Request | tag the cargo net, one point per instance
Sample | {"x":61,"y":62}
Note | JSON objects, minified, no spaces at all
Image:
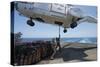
{"x":32,"y":53}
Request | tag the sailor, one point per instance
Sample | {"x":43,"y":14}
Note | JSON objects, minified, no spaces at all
{"x":58,"y":43}
{"x":55,"y":46}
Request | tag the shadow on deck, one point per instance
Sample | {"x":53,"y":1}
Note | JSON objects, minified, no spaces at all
{"x":71,"y":53}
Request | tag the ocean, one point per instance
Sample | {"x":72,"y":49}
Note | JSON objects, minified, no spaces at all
{"x":92,"y":40}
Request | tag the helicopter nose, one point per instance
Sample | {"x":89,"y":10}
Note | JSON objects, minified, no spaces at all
{"x":16,"y":6}
{"x":19,"y":6}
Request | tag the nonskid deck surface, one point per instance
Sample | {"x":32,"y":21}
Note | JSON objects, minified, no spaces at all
{"x":74,"y":52}
{"x":40,"y":52}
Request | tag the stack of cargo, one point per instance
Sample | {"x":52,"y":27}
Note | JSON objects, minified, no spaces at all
{"x":31,"y":53}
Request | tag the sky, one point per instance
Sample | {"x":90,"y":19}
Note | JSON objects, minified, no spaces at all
{"x":41,"y":30}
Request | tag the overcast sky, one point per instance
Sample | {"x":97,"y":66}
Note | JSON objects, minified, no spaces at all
{"x":41,"y":30}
